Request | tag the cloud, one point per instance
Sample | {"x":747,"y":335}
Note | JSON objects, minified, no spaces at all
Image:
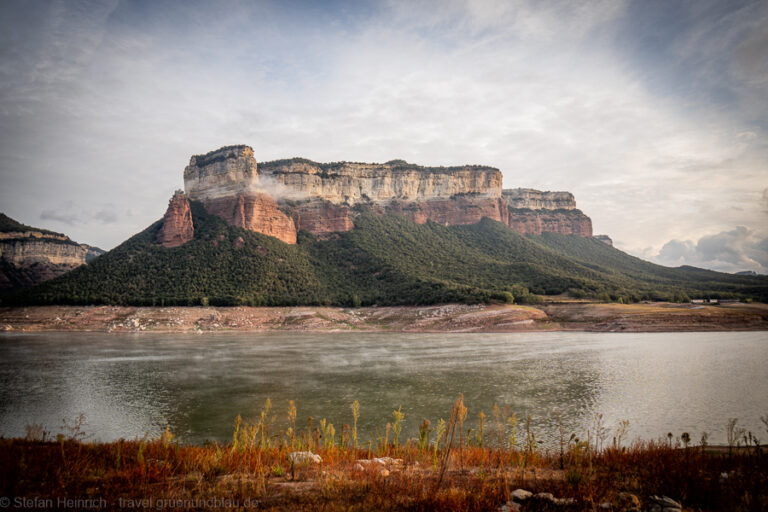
{"x":729,"y":251}
{"x":75,"y":216}
{"x":108,"y":100}
{"x":65,"y":216}
{"x":105,"y":216}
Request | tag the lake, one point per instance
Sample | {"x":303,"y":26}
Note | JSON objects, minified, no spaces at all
{"x":128,"y":385}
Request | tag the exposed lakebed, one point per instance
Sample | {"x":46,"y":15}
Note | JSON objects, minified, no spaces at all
{"x":128,"y":385}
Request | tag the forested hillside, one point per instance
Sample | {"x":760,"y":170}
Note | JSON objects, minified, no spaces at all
{"x":385,"y":260}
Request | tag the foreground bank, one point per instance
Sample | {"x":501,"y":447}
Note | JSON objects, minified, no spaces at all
{"x":585,"y":316}
{"x":301,"y":472}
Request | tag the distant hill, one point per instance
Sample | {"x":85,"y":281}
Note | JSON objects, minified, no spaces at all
{"x":8,"y":225}
{"x":30,"y":255}
{"x":385,"y":260}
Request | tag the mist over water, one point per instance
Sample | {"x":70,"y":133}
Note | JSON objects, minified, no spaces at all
{"x":128,"y":385}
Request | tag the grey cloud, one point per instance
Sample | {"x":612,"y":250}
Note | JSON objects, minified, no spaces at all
{"x":65,"y":216}
{"x":105,"y":216}
{"x":728,"y":251}
{"x":750,"y":55}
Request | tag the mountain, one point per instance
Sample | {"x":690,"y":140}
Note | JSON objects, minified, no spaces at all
{"x":385,"y":259}
{"x":298,"y":232}
{"x":30,"y":255}
{"x":282,"y":197}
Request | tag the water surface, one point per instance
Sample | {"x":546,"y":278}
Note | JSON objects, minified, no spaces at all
{"x":128,"y":385}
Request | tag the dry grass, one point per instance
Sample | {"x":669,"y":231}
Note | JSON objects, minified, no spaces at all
{"x":457,"y":470}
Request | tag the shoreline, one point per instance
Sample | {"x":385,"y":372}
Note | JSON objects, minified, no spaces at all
{"x":445,"y":318}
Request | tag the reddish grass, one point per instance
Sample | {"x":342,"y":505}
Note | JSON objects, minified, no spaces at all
{"x":261,"y":476}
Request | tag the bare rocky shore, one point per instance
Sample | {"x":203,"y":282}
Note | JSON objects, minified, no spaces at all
{"x":579,"y":316}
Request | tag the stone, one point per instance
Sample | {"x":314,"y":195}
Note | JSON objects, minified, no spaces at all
{"x":304,"y":458}
{"x":663,"y":504}
{"x":521,"y":495}
{"x":177,"y":226}
{"x":545,"y":496}
{"x":511,"y":506}
{"x":382,"y":461}
{"x":627,"y":502}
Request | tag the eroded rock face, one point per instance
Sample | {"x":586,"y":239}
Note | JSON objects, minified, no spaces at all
{"x":30,"y":257}
{"x":257,"y":212}
{"x":319,"y":197}
{"x":28,"y":250}
{"x":177,"y":226}
{"x":538,"y":200}
{"x":226,"y":172}
{"x":352,"y":183}
{"x":451,"y":212}
{"x":536,"y":222}
{"x":321,"y":217}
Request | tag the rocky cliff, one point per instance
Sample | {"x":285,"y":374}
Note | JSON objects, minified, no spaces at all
{"x":536,"y":222}
{"x":351,"y":183}
{"x":535,"y":211}
{"x":537,"y":200}
{"x":29,"y":255}
{"x":282,"y":197}
{"x":177,"y":228}
{"x":255,"y":212}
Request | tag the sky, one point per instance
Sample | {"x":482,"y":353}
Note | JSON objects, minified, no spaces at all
{"x":654,"y":113}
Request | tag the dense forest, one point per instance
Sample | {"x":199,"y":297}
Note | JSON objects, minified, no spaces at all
{"x":385,"y":260}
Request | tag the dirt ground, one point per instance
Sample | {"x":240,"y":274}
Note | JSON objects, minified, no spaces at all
{"x":582,"y":316}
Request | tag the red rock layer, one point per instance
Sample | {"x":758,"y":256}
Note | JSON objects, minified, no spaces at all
{"x":257,"y":213}
{"x":177,"y":226}
{"x":535,"y":222}
{"x":450,"y":212}
{"x":322,"y":218}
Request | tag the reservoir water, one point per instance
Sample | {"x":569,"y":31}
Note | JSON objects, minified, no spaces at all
{"x":130,"y":385}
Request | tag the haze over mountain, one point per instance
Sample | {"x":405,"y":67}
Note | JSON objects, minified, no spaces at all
{"x":651,"y":113}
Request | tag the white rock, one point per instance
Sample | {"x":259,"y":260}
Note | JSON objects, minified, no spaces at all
{"x":548,"y":496}
{"x":511,"y":506}
{"x":304,"y":458}
{"x":666,"y":502}
{"x":521,"y":494}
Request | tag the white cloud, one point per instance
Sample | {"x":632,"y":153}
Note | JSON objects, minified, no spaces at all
{"x":729,"y":251}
